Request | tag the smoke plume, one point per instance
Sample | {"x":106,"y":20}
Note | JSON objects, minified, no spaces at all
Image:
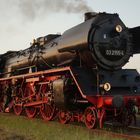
{"x":34,"y":8}
{"x":17,"y":19}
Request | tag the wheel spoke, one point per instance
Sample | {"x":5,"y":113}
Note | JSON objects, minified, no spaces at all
{"x":64,"y":117}
{"x":31,"y":112}
{"x":17,"y":109}
{"x":90,"y":118}
{"x":47,"y":111}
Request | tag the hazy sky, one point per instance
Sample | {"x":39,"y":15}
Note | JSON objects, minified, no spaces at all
{"x":23,"y":20}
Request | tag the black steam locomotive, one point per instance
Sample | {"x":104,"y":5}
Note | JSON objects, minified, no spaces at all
{"x":77,"y":74}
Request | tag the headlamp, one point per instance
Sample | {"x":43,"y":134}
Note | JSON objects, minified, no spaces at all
{"x":118,"y":28}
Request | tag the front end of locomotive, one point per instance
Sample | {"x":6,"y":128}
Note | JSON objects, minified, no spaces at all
{"x":79,"y":74}
{"x":111,"y":47}
{"x":110,"y":41}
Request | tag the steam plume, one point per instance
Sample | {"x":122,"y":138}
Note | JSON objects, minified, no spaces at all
{"x":34,"y":8}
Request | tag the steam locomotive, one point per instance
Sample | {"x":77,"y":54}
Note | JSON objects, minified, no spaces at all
{"x":76,"y":76}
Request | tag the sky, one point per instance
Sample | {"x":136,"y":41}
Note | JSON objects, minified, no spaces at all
{"x":23,"y":20}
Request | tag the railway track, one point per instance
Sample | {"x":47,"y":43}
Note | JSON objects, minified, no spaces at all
{"x":130,"y":133}
{"x":134,"y":128}
{"x":118,"y":135}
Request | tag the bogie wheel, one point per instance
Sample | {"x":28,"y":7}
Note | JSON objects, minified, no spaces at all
{"x":64,"y":117}
{"x":90,"y":118}
{"x":47,"y":112}
{"x":17,"y":109}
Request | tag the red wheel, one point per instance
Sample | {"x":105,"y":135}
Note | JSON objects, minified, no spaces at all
{"x":64,"y":117}
{"x":31,"y":110}
{"x":17,"y":109}
{"x":90,"y":118}
{"x":47,"y":112}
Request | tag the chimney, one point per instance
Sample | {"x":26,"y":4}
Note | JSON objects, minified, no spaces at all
{"x":89,"y":15}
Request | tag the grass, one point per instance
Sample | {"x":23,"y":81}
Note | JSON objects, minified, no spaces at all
{"x":21,"y":128}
